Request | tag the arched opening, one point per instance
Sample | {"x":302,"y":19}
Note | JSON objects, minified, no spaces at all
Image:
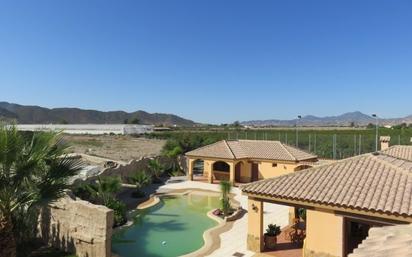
{"x":302,"y":167}
{"x":221,"y":166}
{"x":198,"y":167}
{"x":221,"y":170}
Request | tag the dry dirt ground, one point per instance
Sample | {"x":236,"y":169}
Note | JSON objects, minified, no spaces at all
{"x":115,"y":147}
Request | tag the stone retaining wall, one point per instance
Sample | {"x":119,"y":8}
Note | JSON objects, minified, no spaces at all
{"x":124,"y":171}
{"x":183,"y":163}
{"x":77,"y":226}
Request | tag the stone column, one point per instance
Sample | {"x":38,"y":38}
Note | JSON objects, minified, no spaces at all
{"x":255,"y":240}
{"x":210,"y":174}
{"x":291,"y":215}
{"x":232,"y":173}
{"x":190,"y":169}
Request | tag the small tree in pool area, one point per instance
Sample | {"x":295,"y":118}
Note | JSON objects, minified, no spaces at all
{"x":141,"y":179}
{"x":225,"y":188}
{"x":156,"y":169}
{"x":173,"y":154}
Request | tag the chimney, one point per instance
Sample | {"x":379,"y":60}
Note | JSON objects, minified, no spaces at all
{"x":385,"y":140}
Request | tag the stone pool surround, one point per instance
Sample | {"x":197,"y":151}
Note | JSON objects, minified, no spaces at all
{"x":77,"y":226}
{"x":211,"y":236}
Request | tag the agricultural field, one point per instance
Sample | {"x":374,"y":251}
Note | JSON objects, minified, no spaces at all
{"x":329,"y":143}
{"x":115,"y":147}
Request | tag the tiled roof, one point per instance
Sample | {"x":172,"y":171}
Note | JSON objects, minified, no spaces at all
{"x":254,"y":149}
{"x":388,"y":241}
{"x":217,"y":150}
{"x":377,"y":182}
{"x":399,"y":151}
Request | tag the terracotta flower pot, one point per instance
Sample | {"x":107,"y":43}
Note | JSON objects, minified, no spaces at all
{"x":270,"y":241}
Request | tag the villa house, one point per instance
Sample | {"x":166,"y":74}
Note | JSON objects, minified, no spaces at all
{"x":343,"y":201}
{"x":247,"y":160}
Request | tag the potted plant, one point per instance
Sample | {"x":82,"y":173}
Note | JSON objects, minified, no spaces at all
{"x":271,"y":236}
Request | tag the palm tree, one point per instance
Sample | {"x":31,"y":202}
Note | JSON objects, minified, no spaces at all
{"x":225,"y":188}
{"x":173,"y":154}
{"x":33,"y":173}
{"x":156,"y":169}
{"x":141,"y":179}
{"x":104,"y":190}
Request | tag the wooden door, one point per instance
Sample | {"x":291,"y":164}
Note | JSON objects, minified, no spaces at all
{"x":238,"y":168}
{"x":255,"y":171}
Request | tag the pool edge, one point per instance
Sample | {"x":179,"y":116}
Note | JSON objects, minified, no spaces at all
{"x":211,"y":236}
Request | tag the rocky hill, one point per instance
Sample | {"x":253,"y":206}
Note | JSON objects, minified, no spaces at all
{"x":24,"y":114}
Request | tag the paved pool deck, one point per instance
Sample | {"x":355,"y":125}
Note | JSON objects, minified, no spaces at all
{"x":233,"y":242}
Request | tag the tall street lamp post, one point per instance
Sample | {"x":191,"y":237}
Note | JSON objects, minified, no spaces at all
{"x":376,"y":132}
{"x":297,"y":130}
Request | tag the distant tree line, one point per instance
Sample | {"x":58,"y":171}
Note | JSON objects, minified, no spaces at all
{"x":132,"y":121}
{"x":336,"y":144}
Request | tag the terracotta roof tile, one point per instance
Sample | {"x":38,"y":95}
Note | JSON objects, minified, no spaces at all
{"x":376,"y":182}
{"x":253,"y":149}
{"x":399,"y":151}
{"x":217,"y":150}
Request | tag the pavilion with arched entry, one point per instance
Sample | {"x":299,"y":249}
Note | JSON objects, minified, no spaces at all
{"x":244,"y":161}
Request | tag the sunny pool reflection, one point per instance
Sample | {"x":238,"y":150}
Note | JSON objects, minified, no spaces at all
{"x":171,"y":228}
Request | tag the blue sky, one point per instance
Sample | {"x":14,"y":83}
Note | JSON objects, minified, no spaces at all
{"x":210,"y":61}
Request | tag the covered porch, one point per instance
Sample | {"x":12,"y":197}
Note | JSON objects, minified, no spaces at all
{"x":323,"y":230}
{"x":291,"y":239}
{"x":215,"y":170}
{"x":285,"y":247}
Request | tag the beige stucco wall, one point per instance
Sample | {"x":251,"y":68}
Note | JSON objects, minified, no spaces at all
{"x":207,"y":168}
{"x":324,"y":234}
{"x":266,"y":170}
{"x":77,"y":226}
{"x":255,"y":226}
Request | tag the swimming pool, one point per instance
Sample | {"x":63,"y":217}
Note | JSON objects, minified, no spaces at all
{"x":173,"y":227}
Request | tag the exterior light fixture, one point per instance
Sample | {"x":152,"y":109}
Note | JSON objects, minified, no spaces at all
{"x":254,"y":207}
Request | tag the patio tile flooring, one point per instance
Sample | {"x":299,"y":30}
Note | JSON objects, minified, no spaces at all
{"x":285,"y":248}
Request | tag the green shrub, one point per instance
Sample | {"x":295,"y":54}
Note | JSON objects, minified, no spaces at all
{"x":140,"y":179}
{"x":82,"y":191}
{"x":120,"y":211}
{"x":103,"y":192}
{"x":156,"y":170}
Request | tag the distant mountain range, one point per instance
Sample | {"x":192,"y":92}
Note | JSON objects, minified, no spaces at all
{"x":346,"y":119}
{"x":24,"y":114}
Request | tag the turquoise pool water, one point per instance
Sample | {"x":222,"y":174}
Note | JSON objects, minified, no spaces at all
{"x":171,"y":228}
